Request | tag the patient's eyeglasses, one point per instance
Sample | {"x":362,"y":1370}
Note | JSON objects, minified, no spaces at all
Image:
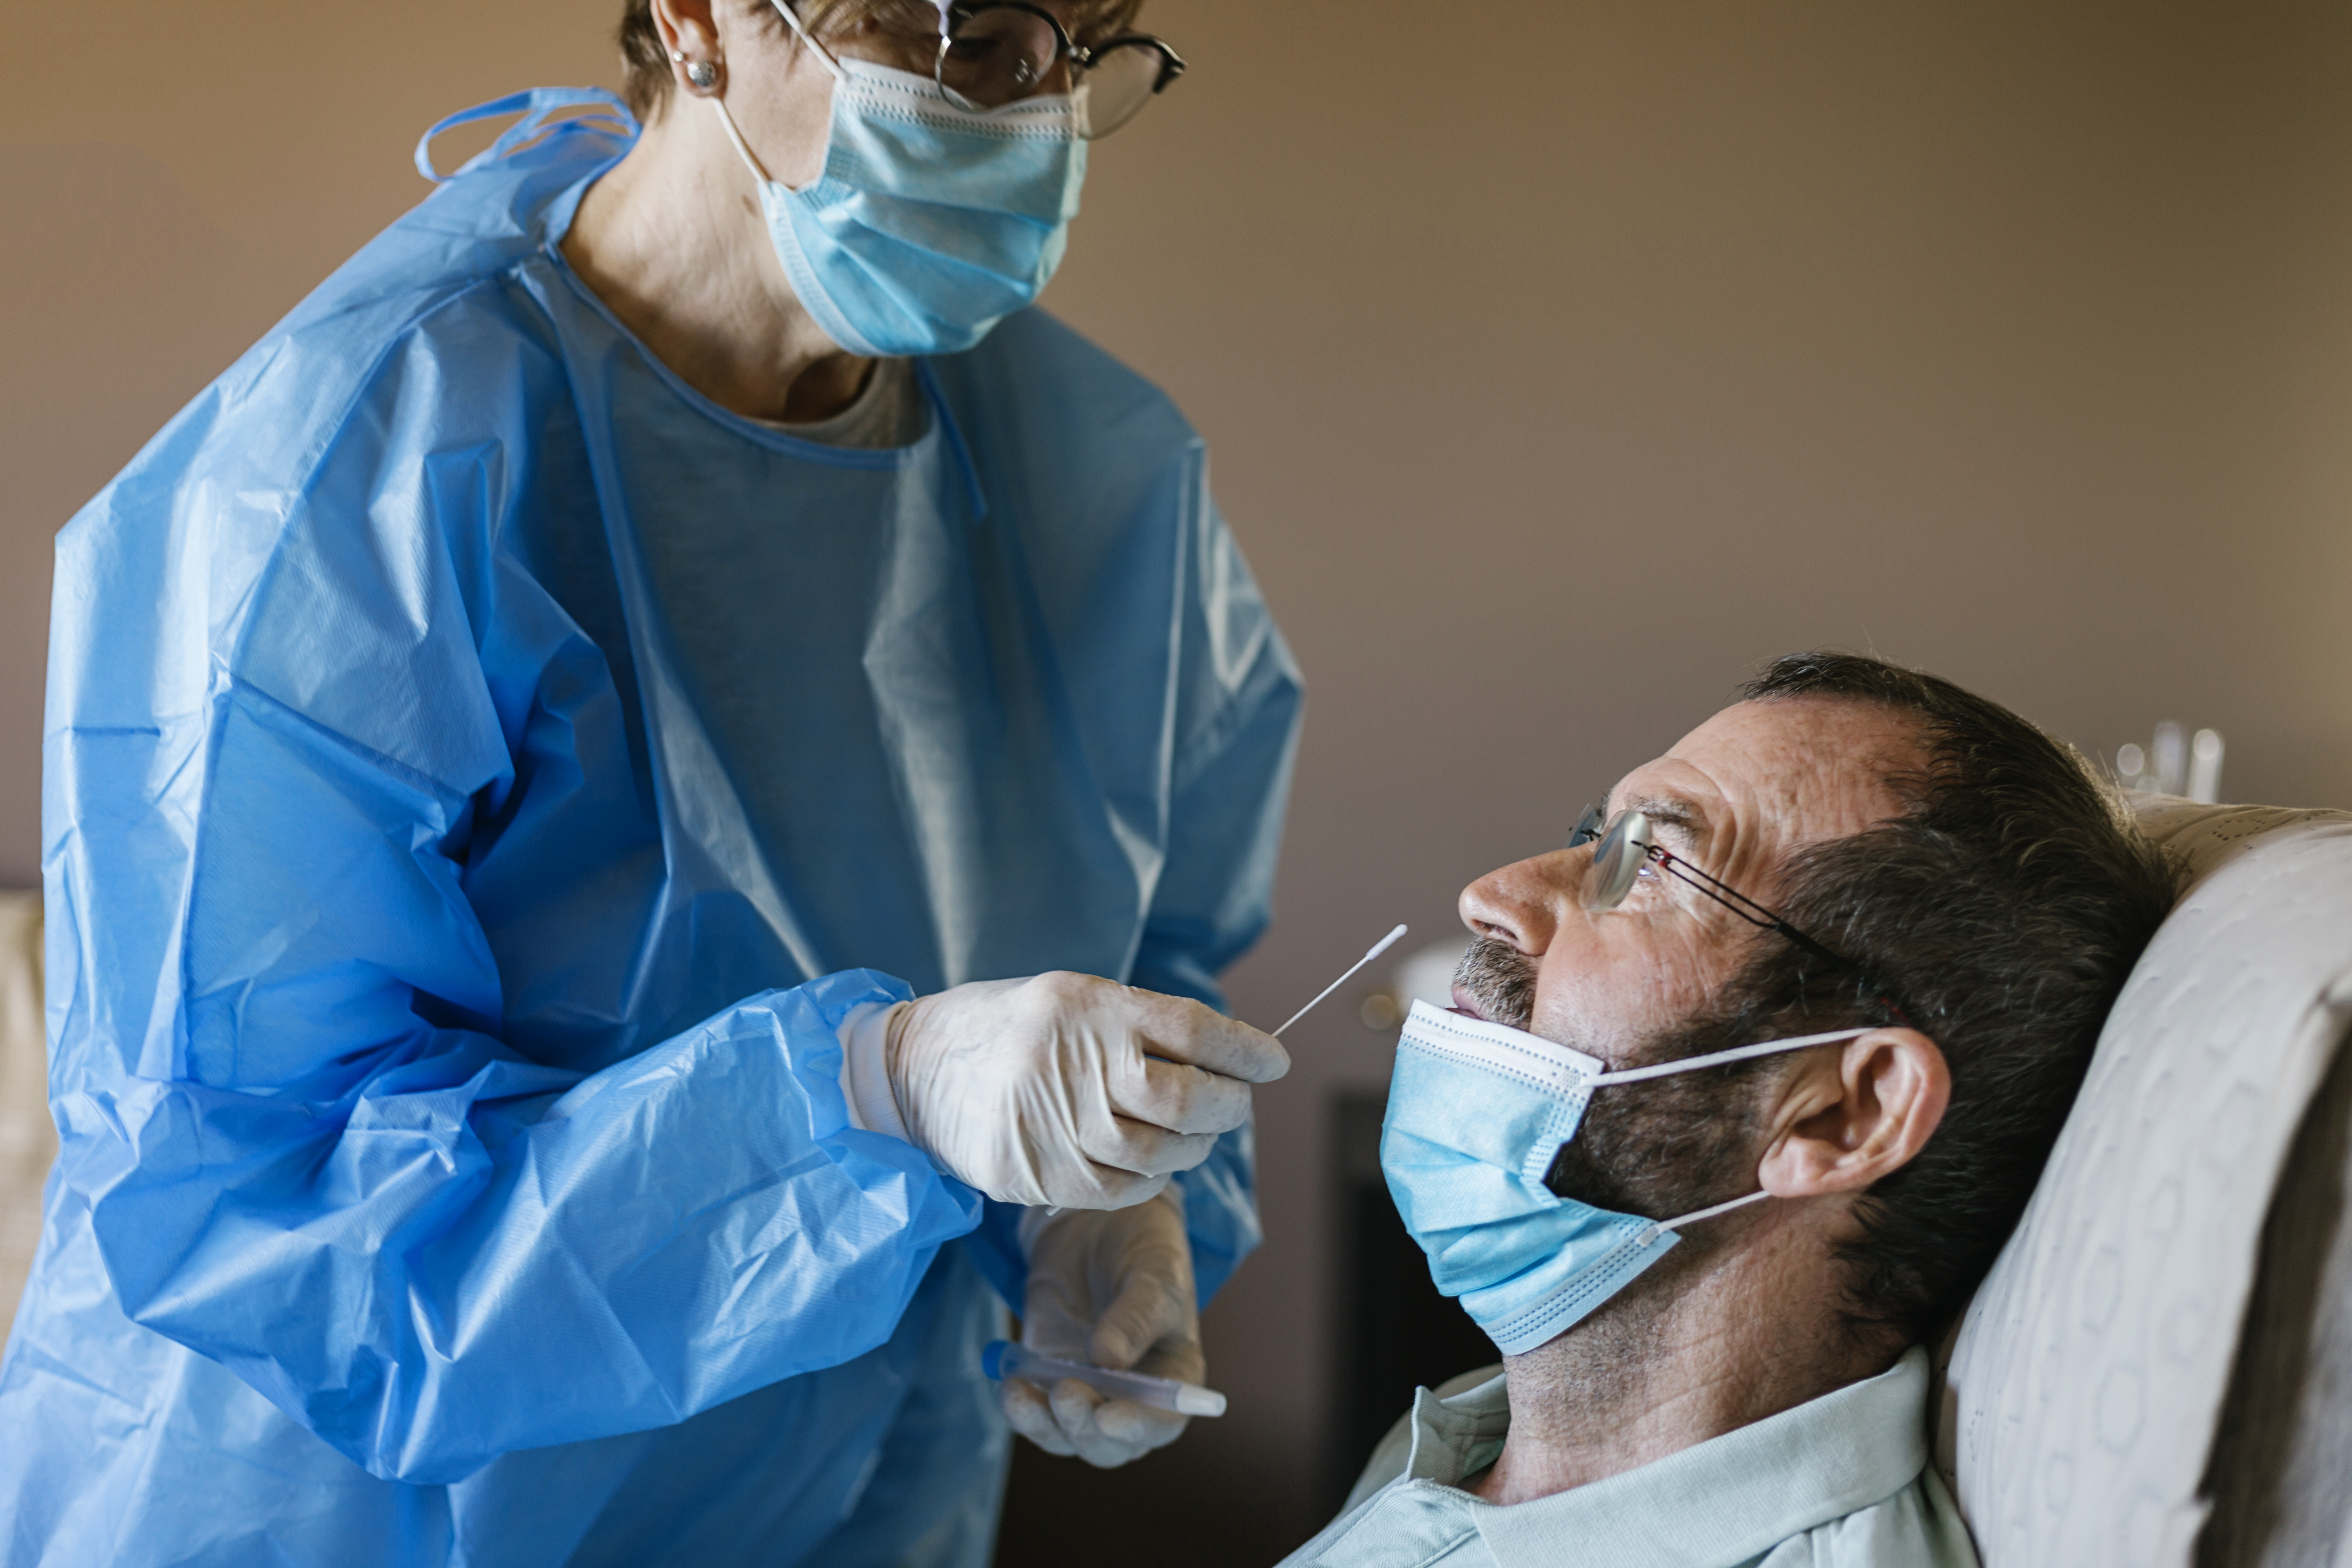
{"x":1628,"y":842}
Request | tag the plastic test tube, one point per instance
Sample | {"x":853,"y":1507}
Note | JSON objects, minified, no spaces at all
{"x":1003,"y":1359}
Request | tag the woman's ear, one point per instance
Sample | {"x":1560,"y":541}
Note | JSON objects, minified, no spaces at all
{"x":1848,"y":1120}
{"x":690,"y":33}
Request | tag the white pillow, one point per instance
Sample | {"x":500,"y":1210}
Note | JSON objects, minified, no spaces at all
{"x":2086,"y":1377}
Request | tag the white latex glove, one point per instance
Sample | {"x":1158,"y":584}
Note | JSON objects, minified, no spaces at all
{"x":1046,"y":1090}
{"x":1114,"y":1290}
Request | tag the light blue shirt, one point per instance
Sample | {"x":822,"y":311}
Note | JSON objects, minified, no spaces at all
{"x":1841,"y":1481}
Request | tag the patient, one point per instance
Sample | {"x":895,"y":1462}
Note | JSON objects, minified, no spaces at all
{"x":1713,"y":1286}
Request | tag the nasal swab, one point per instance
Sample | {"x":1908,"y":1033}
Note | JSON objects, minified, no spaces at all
{"x":1378,"y":948}
{"x":1003,"y":1359}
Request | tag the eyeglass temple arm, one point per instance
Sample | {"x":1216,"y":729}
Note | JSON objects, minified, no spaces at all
{"x":1755,"y":915}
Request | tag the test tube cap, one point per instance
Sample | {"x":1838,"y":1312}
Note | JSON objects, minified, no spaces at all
{"x":1193,"y":1401}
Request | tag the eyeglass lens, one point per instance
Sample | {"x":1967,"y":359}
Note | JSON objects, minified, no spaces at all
{"x":1617,"y":860}
{"x":1005,"y":53}
{"x":1126,"y":72}
{"x":998,"y":55}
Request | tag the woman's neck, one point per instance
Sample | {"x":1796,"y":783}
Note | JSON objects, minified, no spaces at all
{"x":673,"y":240}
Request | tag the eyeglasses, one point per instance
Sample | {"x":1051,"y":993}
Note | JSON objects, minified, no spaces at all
{"x":995,"y":52}
{"x":1627,"y":843}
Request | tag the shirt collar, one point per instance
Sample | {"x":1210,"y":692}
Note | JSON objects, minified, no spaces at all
{"x":1728,"y":1500}
{"x":1458,"y":1435}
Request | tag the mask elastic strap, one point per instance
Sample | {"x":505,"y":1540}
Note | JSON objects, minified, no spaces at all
{"x":821,"y":51}
{"x":743,"y":148}
{"x":1718,"y":1058}
{"x":1659,"y":1228}
{"x":1695,"y":1064}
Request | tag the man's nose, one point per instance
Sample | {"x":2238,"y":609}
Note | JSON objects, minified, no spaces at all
{"x":1519,"y":904}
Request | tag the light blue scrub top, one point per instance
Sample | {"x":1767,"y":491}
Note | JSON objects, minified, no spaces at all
{"x":479,"y":775}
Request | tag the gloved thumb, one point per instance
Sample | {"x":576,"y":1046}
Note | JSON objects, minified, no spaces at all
{"x":1146,"y":1311}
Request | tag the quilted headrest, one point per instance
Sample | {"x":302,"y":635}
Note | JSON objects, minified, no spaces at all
{"x":2087,"y":1376}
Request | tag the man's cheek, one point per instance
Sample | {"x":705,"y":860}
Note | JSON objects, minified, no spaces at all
{"x":1609,"y":1000}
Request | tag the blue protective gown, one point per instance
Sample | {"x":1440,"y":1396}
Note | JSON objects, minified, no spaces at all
{"x":480,"y":774}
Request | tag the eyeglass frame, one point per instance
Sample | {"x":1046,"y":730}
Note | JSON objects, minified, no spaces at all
{"x":1080,"y":56}
{"x":1591,"y":827}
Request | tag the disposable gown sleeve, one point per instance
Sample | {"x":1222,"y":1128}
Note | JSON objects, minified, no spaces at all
{"x":307,"y":1153}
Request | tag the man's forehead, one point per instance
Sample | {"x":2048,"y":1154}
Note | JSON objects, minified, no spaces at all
{"x":1796,"y":768}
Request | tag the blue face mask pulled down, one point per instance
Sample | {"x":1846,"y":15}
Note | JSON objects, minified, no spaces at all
{"x":1477,"y":1113}
{"x":932,"y":222}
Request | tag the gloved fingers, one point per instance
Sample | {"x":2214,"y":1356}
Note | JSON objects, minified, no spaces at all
{"x":1151,"y":1309}
{"x":1110,"y":1187}
{"x":1183,"y":1030}
{"x":1138,"y":1427}
{"x":1176,"y":1355}
{"x":1181,"y":1098}
{"x":1028,"y":1413}
{"x":1077,"y":1406}
{"x":1085,"y":1181}
{"x":1052,"y":1326}
{"x":1125,"y":1144}
{"x":1072,"y":1405}
{"x":1178,"y":1358}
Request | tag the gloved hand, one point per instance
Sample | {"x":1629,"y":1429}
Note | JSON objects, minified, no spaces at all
{"x":1066,"y":1089}
{"x":1114,"y":1290}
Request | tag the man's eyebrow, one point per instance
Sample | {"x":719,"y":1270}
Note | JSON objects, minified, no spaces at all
{"x":1687,"y":816}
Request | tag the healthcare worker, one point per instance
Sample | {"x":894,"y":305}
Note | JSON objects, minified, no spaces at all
{"x":569,"y":771}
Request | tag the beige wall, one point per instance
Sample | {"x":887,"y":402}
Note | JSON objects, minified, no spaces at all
{"x":1559,"y":359}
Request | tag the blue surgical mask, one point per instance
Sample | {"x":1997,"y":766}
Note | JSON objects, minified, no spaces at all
{"x":932,"y":222}
{"x":1477,"y":1113}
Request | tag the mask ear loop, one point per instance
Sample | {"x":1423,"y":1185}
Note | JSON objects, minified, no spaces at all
{"x":743,"y":148}
{"x":1718,"y":1058}
{"x":734,"y":134}
{"x":795,"y":24}
{"x":1659,"y":1228}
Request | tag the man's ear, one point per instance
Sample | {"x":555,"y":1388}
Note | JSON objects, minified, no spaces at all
{"x":1851,"y":1117}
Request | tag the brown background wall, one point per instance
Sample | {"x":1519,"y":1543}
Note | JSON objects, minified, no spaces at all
{"x":1559,"y":361}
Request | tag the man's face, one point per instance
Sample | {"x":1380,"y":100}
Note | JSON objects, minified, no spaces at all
{"x":1736,"y":797}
